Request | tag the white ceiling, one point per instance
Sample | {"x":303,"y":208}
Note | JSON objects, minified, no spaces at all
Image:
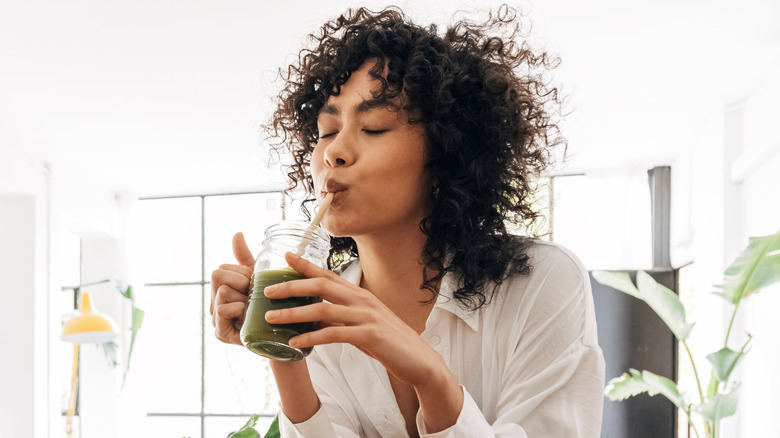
{"x":163,"y":97}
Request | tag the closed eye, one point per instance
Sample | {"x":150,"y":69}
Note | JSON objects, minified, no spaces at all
{"x":375,"y":131}
{"x":328,"y":134}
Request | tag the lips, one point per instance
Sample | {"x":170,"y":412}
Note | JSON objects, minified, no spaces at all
{"x":332,"y":186}
{"x":337,"y":188}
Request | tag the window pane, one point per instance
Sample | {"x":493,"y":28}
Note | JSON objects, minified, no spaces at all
{"x":222,"y":426}
{"x":168,"y":233}
{"x":237,"y":380}
{"x":226,"y":215}
{"x":168,"y":348}
{"x":604,"y":219}
{"x":188,"y":427}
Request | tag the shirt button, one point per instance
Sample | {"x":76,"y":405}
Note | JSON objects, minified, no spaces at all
{"x":435,"y":340}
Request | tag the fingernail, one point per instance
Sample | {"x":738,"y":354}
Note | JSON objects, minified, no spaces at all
{"x":293,"y":255}
{"x":292,"y":343}
{"x":271,"y":314}
{"x":269,"y":290}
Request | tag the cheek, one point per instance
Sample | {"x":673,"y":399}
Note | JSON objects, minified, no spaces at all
{"x":316,"y":165}
{"x":413,"y":182}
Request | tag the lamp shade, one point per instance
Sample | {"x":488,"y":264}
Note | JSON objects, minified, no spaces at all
{"x":89,"y":326}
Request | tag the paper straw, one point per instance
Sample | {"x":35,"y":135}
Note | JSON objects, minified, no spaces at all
{"x":314,"y":224}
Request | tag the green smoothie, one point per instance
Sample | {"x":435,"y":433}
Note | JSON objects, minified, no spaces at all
{"x":271,"y":340}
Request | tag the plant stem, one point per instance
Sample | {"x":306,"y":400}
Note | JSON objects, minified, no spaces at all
{"x":690,"y":423}
{"x":731,"y":323}
{"x":695,"y":373}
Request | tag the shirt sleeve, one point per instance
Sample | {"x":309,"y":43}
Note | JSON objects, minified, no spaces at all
{"x":570,"y":408}
{"x":550,"y":375}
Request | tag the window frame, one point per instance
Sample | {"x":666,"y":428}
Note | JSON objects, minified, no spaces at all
{"x":204,"y":283}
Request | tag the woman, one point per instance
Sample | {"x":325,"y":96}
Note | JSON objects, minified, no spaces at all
{"x":439,"y":323}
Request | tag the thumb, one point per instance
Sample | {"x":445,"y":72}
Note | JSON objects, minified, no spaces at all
{"x":241,"y":251}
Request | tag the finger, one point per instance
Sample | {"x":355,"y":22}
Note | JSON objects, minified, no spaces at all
{"x":241,"y":251}
{"x":309,"y":269}
{"x":241,"y":269}
{"x":217,"y":279}
{"x":226,"y":295}
{"x":230,"y":337}
{"x":331,"y":314}
{"x":328,"y":335}
{"x":333,"y":291}
{"x":236,"y":280}
{"x":227,"y":314}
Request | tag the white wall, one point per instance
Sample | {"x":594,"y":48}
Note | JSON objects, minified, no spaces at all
{"x":23,"y":268}
{"x":759,"y":312}
{"x":17,"y":314}
{"x":100,"y":383}
{"x":732,"y":188}
{"x":94,"y":214}
{"x":756,"y":173}
{"x":36,"y":205}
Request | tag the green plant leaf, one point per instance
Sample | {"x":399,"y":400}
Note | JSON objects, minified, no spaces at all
{"x":137,"y":321}
{"x":627,"y":385}
{"x":245,"y":433}
{"x":618,"y":280}
{"x":758,"y":266}
{"x":127,"y":292}
{"x":712,"y":388}
{"x":723,"y":362}
{"x":665,"y":303}
{"x":634,"y":383}
{"x":273,"y":431}
{"x":719,"y":406}
{"x":248,"y":429}
{"x":137,"y":318}
{"x":109,"y":350}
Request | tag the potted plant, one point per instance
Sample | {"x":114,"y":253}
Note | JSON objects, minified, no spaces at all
{"x":249,"y":430}
{"x":758,"y":266}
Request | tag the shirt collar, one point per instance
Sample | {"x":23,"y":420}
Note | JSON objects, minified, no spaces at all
{"x":445,"y":300}
{"x":448,"y":302}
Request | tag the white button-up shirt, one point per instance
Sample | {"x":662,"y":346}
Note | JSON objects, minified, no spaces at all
{"x":528,"y":362}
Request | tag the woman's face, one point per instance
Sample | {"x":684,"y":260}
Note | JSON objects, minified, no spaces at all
{"x":372,"y":159}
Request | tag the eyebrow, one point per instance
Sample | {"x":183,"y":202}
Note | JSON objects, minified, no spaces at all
{"x":362,"y":107}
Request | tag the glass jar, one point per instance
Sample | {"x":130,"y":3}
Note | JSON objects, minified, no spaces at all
{"x":272,"y":340}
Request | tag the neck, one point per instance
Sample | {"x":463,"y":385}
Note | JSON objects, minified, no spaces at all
{"x":393,"y":271}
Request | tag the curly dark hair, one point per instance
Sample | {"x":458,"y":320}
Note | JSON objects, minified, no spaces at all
{"x":490,"y":118}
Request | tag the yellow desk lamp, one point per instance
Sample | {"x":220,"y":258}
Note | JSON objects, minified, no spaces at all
{"x":87,"y":326}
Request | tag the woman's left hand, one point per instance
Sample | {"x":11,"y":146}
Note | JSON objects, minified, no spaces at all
{"x":350,"y":314}
{"x":353,"y":315}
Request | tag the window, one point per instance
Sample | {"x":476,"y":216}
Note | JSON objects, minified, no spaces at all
{"x":196,"y":386}
{"x":603,"y":218}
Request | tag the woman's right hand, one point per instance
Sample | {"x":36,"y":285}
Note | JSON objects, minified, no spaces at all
{"x":230,"y":293}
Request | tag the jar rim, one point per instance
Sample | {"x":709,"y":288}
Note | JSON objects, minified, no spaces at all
{"x":298,"y":228}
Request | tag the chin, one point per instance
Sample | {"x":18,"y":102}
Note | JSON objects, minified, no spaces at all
{"x":334,"y":228}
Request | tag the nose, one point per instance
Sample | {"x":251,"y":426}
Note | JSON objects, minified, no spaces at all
{"x":339,"y":151}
